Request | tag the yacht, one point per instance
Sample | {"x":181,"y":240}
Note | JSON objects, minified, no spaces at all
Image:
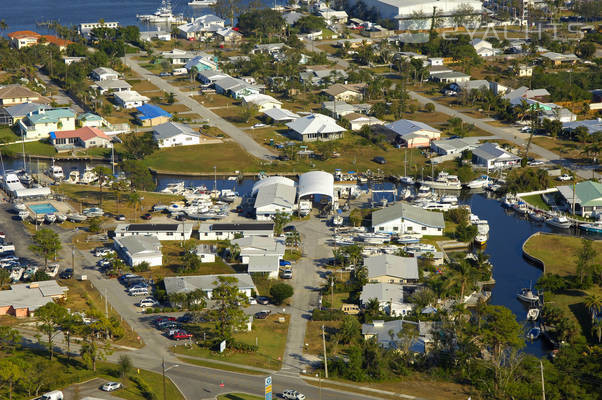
{"x":527,"y":295}
{"x":56,"y":172}
{"x":89,"y":176}
{"x":536,"y":216}
{"x":163,"y":15}
{"x":594,"y":227}
{"x":508,"y":201}
{"x":479,"y":183}
{"x":449,"y":199}
{"x":228,"y":195}
{"x":423,"y":191}
{"x":407,"y":180}
{"x":50,"y":218}
{"x":73,"y":177}
{"x":409,"y":238}
{"x":60,"y":218}
{"x":444,"y":181}
{"x":534,"y":333}
{"x":174,"y":188}
{"x":533,"y":314}
{"x":25,"y":178}
{"x":23,"y":214}
{"x":481,"y":239}
{"x":202,"y":3}
{"x":337,"y":220}
{"x":420,"y":248}
{"x":304,"y":207}
{"x":560,"y":221}
{"x":76,"y":217}
{"x":18,"y":207}
{"x":374,"y":238}
{"x":520,"y":207}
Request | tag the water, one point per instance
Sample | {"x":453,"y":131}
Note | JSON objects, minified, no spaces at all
{"x":45,"y":208}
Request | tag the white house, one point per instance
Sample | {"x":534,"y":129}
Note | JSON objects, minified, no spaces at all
{"x":405,"y":218}
{"x":234,"y":87}
{"x":181,"y":57}
{"x":358,"y":121}
{"x":261,"y":254}
{"x":388,"y":268}
{"x":220,"y":231}
{"x":405,"y":126}
{"x":112,"y":86}
{"x":490,"y":155}
{"x":172,"y":134}
{"x":381,"y":331}
{"x":104,"y":74}
{"x":315,"y":127}
{"x":160,"y":231}
{"x":39,"y":124}
{"x":206,"y":283}
{"x":281,"y":115}
{"x":390,"y":298}
{"x":263,"y":102}
{"x":130,"y":99}
{"x":205,"y":253}
{"x":201,"y":26}
{"x":483,"y":47}
{"x":209,"y":76}
{"x":138,"y":249}
{"x":273,"y":199}
{"x":451,"y":146}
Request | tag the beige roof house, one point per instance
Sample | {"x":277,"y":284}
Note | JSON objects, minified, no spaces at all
{"x":345,"y":92}
{"x":17,"y":94}
{"x":388,"y":268}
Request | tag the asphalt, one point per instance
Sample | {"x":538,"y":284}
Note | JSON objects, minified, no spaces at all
{"x":237,"y":134}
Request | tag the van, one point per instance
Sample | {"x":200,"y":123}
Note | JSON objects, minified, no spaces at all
{"x":54,"y":395}
{"x":138,"y":292}
{"x":179,"y":71}
{"x":350,"y":309}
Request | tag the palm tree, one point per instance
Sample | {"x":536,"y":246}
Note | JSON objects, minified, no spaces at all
{"x":593,"y":303}
{"x":463,"y":275}
{"x":102,"y":173}
{"x":134,"y":201}
{"x":3,"y":25}
{"x":597,"y":329}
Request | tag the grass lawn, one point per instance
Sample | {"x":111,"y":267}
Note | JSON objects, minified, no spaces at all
{"x":271,"y":338}
{"x":175,"y":108}
{"x":537,"y":201}
{"x":33,"y":148}
{"x":238,"y":396}
{"x":567,"y":148}
{"x":572,"y":301}
{"x":7,"y":135}
{"x":216,"y":100}
{"x":172,"y":260}
{"x":141,"y":85}
{"x":313,"y":336}
{"x":214,"y":365}
{"x":82,"y":296}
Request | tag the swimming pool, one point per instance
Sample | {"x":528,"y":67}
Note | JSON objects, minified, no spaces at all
{"x":45,"y":208}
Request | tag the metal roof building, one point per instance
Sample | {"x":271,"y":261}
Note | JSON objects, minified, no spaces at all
{"x":316,"y":182}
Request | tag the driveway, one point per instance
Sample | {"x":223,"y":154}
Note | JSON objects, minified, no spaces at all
{"x":234,"y":132}
{"x":89,"y":388}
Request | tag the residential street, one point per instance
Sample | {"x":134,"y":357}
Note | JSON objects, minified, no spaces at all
{"x":229,"y":129}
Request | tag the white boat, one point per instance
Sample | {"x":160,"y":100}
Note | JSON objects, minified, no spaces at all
{"x":163,"y":15}
{"x":174,"y":188}
{"x":409,"y":238}
{"x":481,"y":239}
{"x":60,"y":218}
{"x":231,"y":178}
{"x":342,"y":241}
{"x":508,"y":201}
{"x":374,"y":238}
{"x":536,"y":216}
{"x":73,"y":177}
{"x":482,"y":227}
{"x":93,"y":212}
{"x":202,"y":3}
{"x":527,"y":295}
{"x":304,"y":208}
{"x":424,"y":191}
{"x":56,"y":172}
{"x":337,"y":220}
{"x":449,"y":199}
{"x":407,"y":180}
{"x":533,"y":314}
{"x":405,"y":193}
{"x":23,"y":214}
{"x":560,"y":221}
{"x":444,"y":181}
{"x":228,"y":195}
{"x":50,"y":218}
{"x":52,"y":269}
{"x":520,"y":207}
{"x":16,"y":274}
{"x":89,"y":176}
{"x":16,"y":207}
{"x":479,"y":183}
{"x":420,"y":248}
{"x":176,"y":207}
{"x":75,"y":217}
{"x":25,"y":178}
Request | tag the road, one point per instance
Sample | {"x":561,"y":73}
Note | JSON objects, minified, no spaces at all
{"x":237,"y":134}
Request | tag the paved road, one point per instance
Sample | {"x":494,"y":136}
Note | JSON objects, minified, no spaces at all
{"x":234,"y":132}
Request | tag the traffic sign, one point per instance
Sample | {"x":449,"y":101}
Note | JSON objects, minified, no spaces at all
{"x":268,"y":388}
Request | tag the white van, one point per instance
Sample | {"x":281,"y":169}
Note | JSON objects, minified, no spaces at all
{"x":138,"y":292}
{"x":54,"y":395}
{"x":179,"y":71}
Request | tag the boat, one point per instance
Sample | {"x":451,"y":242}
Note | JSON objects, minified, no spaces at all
{"x":52,"y":269}
{"x":163,"y":15}
{"x":449,"y":199}
{"x":482,"y":227}
{"x":337,"y":220}
{"x":407,"y":180}
{"x":342,"y":241}
{"x":75,"y":217}
{"x":527,"y":295}
{"x":305,"y":207}
{"x":520,"y":207}
{"x":508,"y":201}
{"x":89,"y":176}
{"x":60,"y":218}
{"x":533,"y":314}
{"x":50,"y":218}
{"x":481,"y":239}
{"x":17,"y":206}
{"x":73,"y":177}
{"x":594,"y":227}
{"x":409,"y":239}
{"x":420,"y":248}
{"x":479,"y":183}
{"x":174,"y":188}
{"x":374,"y":238}
{"x":228,"y":195}
{"x":93,"y":212}
{"x":534,"y":333}
{"x":559,"y":221}
{"x":444,"y":181}
{"x":22,"y":214}
{"x":25,"y":178}
{"x":176,"y":207}
{"x":232,"y":178}
{"x":202,"y":3}
{"x":536,"y":216}
{"x":56,"y":172}
{"x":424,"y":191}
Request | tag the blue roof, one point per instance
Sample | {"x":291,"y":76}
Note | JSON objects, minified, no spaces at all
{"x":149,"y":111}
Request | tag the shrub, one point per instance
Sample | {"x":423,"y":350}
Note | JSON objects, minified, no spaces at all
{"x":327,"y":315}
{"x":281,"y":292}
{"x":145,"y":390}
{"x":429,"y":107}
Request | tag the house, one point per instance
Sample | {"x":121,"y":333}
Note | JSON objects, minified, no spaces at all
{"x":172,"y":134}
{"x":201,"y":63}
{"x":435,"y":61}
{"x":358,"y":121}
{"x":557,"y":113}
{"x":263,"y":102}
{"x":292,"y":17}
{"x":11,"y":95}
{"x":318,"y":75}
{"x":232,"y":231}
{"x":280,"y":115}
{"x":85,"y":137}
{"x":130,"y":99}
{"x":516,"y":96}
{"x":148,"y":36}
{"x":85,"y":29}
{"x":112,"y":86}
{"x":261,"y":254}
{"x":5,"y":117}
{"x":208,"y":76}
{"x":104,"y":74}
{"x":234,"y":87}
{"x":405,"y":126}
{"x":338,"y":109}
{"x":450,"y":77}
{"x":57,"y":41}
{"x":160,"y":231}
{"x":483,"y":47}
{"x":315,"y":127}
{"x":405,"y":218}
{"x":151,"y":115}
{"x":387,"y":334}
{"x":334,"y":16}
{"x":181,"y":57}
{"x":206,"y":283}
{"x":273,"y":49}
{"x":23,"y":299}
{"x":451,"y":146}
{"x":388,"y":268}
{"x":390,"y":298}
{"x":587,"y":198}
{"x":39,"y":124}
{"x":71,"y":60}
{"x":490,"y":156}
{"x":135,"y":250}
{"x":414,"y":140}
{"x":20,"y":39}
{"x":90,"y":120}
{"x":20,"y":111}
{"x":592,"y":125}
{"x":477,"y":84}
{"x":228,"y":35}
{"x":345,"y":92}
{"x":273,"y":199}
{"x":205,"y":253}
{"x":524,"y":70}
{"x":201,"y":27}
{"x":559,"y":59}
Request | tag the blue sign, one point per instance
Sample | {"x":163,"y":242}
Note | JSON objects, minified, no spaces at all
{"x":268,"y":388}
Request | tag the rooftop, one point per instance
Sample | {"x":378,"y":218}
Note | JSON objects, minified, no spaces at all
{"x":85,"y":133}
{"x":185,"y":284}
{"x":405,"y":126}
{"x":588,"y":193}
{"x":491,"y":151}
{"x":409,"y":212}
{"x":250,"y":226}
{"x":139,"y":244}
{"x":383,"y":292}
{"x":31,"y":295}
{"x":130,"y":95}
{"x":17,"y":92}
{"x":171,"y":129}
{"x":391,"y":265}
{"x":150,"y":111}
{"x":278,"y":194}
{"x":315,"y":123}
{"x":153,"y":227}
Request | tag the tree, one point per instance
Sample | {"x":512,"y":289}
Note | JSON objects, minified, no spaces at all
{"x":71,"y":324}
{"x":46,"y":244}
{"x":91,"y":352}
{"x":94,"y":225}
{"x":500,"y":331}
{"x":248,"y":112}
{"x":465,"y":232}
{"x":39,"y":375}
{"x":227,"y":9}
{"x":40,"y":276}
{"x":593,"y":303}
{"x":49,"y":319}
{"x":310,"y":24}
{"x":280,"y":220}
{"x":227,"y":313}
{"x":585,"y":259}
{"x":139,"y":175}
{"x":462,"y":275}
{"x":170,"y":98}
{"x":103,"y":174}
{"x":429,"y":107}
{"x":144,"y":266}
{"x":138,"y":146}
{"x":349,"y":330}
{"x":280,"y":292}
{"x":261,"y":22}
{"x":10,"y":373}
{"x":125,"y":365}
{"x":9,"y":339}
{"x":134,"y":201}
{"x":190,"y":261}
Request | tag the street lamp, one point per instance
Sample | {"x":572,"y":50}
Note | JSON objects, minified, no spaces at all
{"x":164,"y":371}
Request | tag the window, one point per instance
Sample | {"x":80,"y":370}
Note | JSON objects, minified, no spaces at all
{"x":169,"y":233}
{"x":424,"y":228}
{"x":381,"y":228}
{"x":439,"y":229}
{"x":409,"y":228}
{"x":395,"y":228}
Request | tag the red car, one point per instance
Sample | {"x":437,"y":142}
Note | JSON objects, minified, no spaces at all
{"x":179,"y":335}
{"x":147,"y":216}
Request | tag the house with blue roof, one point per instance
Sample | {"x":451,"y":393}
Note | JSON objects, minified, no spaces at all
{"x":151,"y":115}
{"x":39,"y":124}
{"x":202,"y":63}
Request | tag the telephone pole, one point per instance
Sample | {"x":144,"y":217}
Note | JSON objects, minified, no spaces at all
{"x":325,"y":357}
{"x":543,"y":388}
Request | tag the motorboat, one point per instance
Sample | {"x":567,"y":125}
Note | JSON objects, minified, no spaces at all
{"x":444,"y":181}
{"x":342,"y":241}
{"x":533,"y":314}
{"x":374,"y":238}
{"x":448,"y":199}
{"x":29,"y":272}
{"x":16,"y":273}
{"x":159,"y":207}
{"x":228,"y":195}
{"x":594,"y":227}
{"x":94,"y":212}
{"x":424,"y":191}
{"x":407,"y":180}
{"x":337,"y":220}
{"x":508,"y":201}
{"x":560,"y":221}
{"x":52,"y":269}
{"x":434,"y":206}
{"x":56,"y":172}
{"x":176,"y":207}
{"x":409,"y":239}
{"x":534,"y":333}
{"x":304,"y":207}
{"x":481,"y":239}
{"x":202,"y":3}
{"x":60,"y":218}
{"x":75,"y":217}
{"x":73,"y":177}
{"x":405,"y":193}
{"x":163,"y":15}
{"x":25,"y":178}
{"x":420,"y":248}
{"x":17,"y":206}
{"x":89,"y":176}
{"x":527,"y":295}
{"x":50,"y":218}
{"x":482,"y":227}
{"x":479,"y":183}
{"x":174,"y":188}
{"x":536,"y":216}
{"x":520,"y":207}
{"x":23,"y":214}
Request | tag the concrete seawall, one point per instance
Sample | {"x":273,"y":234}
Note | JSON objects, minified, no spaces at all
{"x":532,"y":259}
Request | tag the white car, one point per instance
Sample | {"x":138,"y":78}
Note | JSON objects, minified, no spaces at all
{"x":103,"y":252}
{"x":565,"y":177}
{"x":148,"y":302}
{"x":293,"y":395}
{"x":110,"y":386}
{"x":252,"y":300}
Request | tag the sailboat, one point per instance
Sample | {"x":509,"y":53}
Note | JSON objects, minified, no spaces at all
{"x":405,"y":179}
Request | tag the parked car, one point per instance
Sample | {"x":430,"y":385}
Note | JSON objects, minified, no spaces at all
{"x":54,"y":395}
{"x":180,"y":335}
{"x":110,"y":386}
{"x":293,"y":395}
{"x":252,"y":300}
{"x":163,"y":74}
{"x":290,"y":228}
{"x":120,"y":217}
{"x":379,"y":160}
{"x":286,"y":273}
{"x":535,"y":163}
{"x":147,"y":216}
{"x":138,"y":291}
{"x":565,"y":177}
{"x":66,"y":274}
{"x":263,"y":300}
{"x":162,"y":319}
{"x":284,"y":263}
{"x":103,"y":252}
{"x":262,"y":314}
{"x":148,"y":302}
{"x":167,"y":325}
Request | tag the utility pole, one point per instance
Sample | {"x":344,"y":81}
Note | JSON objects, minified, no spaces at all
{"x":325,"y":358}
{"x":106,"y":305}
{"x":163,"y":367}
{"x":332,"y":292}
{"x":543,"y":389}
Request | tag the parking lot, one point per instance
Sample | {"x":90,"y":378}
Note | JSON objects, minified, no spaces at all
{"x":90,"y":388}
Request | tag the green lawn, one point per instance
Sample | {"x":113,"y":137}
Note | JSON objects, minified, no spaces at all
{"x":269,"y":334}
{"x":215,"y":365}
{"x":33,"y":148}
{"x":537,"y":201}
{"x":7,"y":135}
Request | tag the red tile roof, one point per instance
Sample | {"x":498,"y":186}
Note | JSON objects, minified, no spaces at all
{"x":57,"y":40}
{"x":84,"y":134}
{"x":24,"y":34}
